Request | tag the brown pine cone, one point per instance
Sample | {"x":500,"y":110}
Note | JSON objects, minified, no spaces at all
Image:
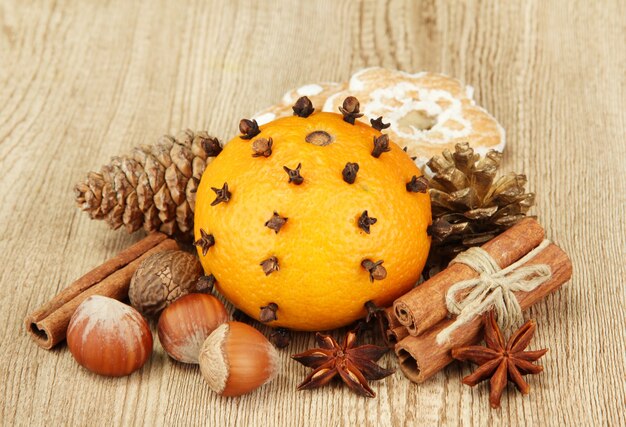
{"x":154,"y":187}
{"x":470,"y":204}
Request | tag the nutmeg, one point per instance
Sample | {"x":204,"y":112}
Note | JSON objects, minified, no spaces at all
{"x":186,"y":323}
{"x":236,"y":359}
{"x":162,"y":278}
{"x":109,"y":337}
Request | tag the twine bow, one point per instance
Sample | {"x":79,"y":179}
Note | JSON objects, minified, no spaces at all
{"x":493,"y":288}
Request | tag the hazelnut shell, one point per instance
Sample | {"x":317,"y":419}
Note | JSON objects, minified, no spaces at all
{"x":237,"y":359}
{"x":108,"y":337}
{"x":186,"y":323}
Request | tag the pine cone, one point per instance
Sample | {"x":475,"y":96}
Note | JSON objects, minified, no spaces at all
{"x":154,"y":187}
{"x":469,"y":207}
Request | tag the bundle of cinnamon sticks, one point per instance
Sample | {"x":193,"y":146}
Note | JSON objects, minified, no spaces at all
{"x":417,"y":318}
{"x":48,"y":324}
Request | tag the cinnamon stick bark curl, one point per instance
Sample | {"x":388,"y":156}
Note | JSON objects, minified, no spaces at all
{"x":48,"y":324}
{"x":421,"y":356}
{"x":425,"y":306}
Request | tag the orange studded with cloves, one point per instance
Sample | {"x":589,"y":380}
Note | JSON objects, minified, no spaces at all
{"x":311,"y":217}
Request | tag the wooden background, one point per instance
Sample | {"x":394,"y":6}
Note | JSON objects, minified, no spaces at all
{"x":84,"y":80}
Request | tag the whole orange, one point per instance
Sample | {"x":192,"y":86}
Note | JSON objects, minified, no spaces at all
{"x":304,"y":246}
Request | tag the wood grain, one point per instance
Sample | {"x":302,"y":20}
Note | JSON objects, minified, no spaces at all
{"x":82,"y":81}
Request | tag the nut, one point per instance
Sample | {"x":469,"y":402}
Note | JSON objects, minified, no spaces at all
{"x":162,"y":278}
{"x":236,"y":359}
{"x":187,"y":322}
{"x":109,"y":337}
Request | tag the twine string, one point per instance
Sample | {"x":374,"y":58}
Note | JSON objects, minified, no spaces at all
{"x":493,"y":288}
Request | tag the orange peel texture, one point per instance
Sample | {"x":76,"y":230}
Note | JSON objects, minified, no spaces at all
{"x":320,"y":282}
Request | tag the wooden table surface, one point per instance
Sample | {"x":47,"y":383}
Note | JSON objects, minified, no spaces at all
{"x":85,"y":80}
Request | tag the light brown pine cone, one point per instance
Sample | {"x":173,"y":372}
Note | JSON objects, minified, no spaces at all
{"x":154,"y":187}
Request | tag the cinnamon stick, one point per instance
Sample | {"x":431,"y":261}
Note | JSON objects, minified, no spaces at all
{"x":397,"y":334}
{"x":48,"y":324}
{"x":421,"y":356}
{"x":395,"y":331}
{"x":425,"y":306}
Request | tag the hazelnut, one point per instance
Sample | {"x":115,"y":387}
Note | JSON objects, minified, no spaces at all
{"x":186,"y":323}
{"x":109,"y":337}
{"x":162,"y":278}
{"x":236,"y":359}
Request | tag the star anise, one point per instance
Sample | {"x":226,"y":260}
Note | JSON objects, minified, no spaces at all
{"x":502,"y":362}
{"x":354,"y":365}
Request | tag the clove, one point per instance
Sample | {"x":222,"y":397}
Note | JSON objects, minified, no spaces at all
{"x":205,"y":283}
{"x":417,"y":184}
{"x":276,"y":222}
{"x":280,"y":337}
{"x":376,"y":318}
{"x":365,"y":221}
{"x":349,"y":172}
{"x":375,"y":269}
{"x":270,"y":265}
{"x":222,"y":195}
{"x":373,"y":311}
{"x":441,"y":229}
{"x":378,"y":124}
{"x":350,"y":109}
{"x":294,"y":174}
{"x":248,"y":128}
{"x":268,"y":313}
{"x":303,"y":107}
{"x":205,"y":241}
{"x":381,"y":145}
{"x":262,"y":147}
{"x":211,"y":146}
